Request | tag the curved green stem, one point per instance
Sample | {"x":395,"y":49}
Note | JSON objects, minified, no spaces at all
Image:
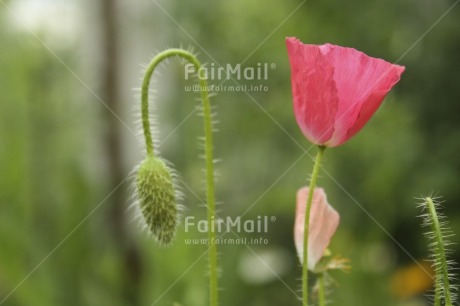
{"x":441,"y":255}
{"x":321,"y":290}
{"x":314,"y":177}
{"x":207,"y":124}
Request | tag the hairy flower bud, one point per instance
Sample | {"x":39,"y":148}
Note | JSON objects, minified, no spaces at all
{"x":157,"y":198}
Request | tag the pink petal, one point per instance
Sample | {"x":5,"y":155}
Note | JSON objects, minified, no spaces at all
{"x":362,"y":83}
{"x":313,"y":89}
{"x":374,"y":100}
{"x":324,"y":221}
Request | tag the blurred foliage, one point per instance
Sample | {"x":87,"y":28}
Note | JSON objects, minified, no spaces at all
{"x":55,"y":245}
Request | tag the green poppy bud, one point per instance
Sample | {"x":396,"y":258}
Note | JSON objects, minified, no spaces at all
{"x":157,"y":198}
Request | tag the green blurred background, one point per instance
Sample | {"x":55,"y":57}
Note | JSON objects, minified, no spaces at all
{"x":68,"y":143}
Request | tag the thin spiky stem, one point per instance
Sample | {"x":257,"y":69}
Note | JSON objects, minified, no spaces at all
{"x":207,"y":124}
{"x":437,"y":292}
{"x":314,"y":177}
{"x":443,"y":279}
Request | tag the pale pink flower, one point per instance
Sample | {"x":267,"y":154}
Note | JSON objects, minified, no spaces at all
{"x":324,"y":221}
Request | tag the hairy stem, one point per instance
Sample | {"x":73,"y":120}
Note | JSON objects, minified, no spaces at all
{"x":441,"y":255}
{"x":314,"y":177}
{"x":207,"y":124}
{"x":437,"y":293}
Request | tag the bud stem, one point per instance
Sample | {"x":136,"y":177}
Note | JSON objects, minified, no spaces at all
{"x":314,"y":177}
{"x":207,"y":124}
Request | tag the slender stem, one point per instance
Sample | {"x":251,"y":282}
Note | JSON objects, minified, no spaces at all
{"x":441,"y":254}
{"x":314,"y":177}
{"x":207,"y":124}
{"x":437,"y":287}
{"x":437,"y":291}
{"x":321,"y":290}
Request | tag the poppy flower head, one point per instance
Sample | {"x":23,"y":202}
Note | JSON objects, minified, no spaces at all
{"x":336,"y":90}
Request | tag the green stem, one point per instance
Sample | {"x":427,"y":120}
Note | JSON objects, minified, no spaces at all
{"x":207,"y":124}
{"x":441,"y":255}
{"x":437,"y":292}
{"x":314,"y":177}
{"x":321,"y":290}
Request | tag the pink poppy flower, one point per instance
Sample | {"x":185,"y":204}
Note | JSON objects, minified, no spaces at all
{"x":324,"y":221}
{"x":336,"y":90}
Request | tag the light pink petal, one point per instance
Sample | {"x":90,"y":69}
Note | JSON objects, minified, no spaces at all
{"x":324,"y":221}
{"x":313,"y":89}
{"x":362,"y":82}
